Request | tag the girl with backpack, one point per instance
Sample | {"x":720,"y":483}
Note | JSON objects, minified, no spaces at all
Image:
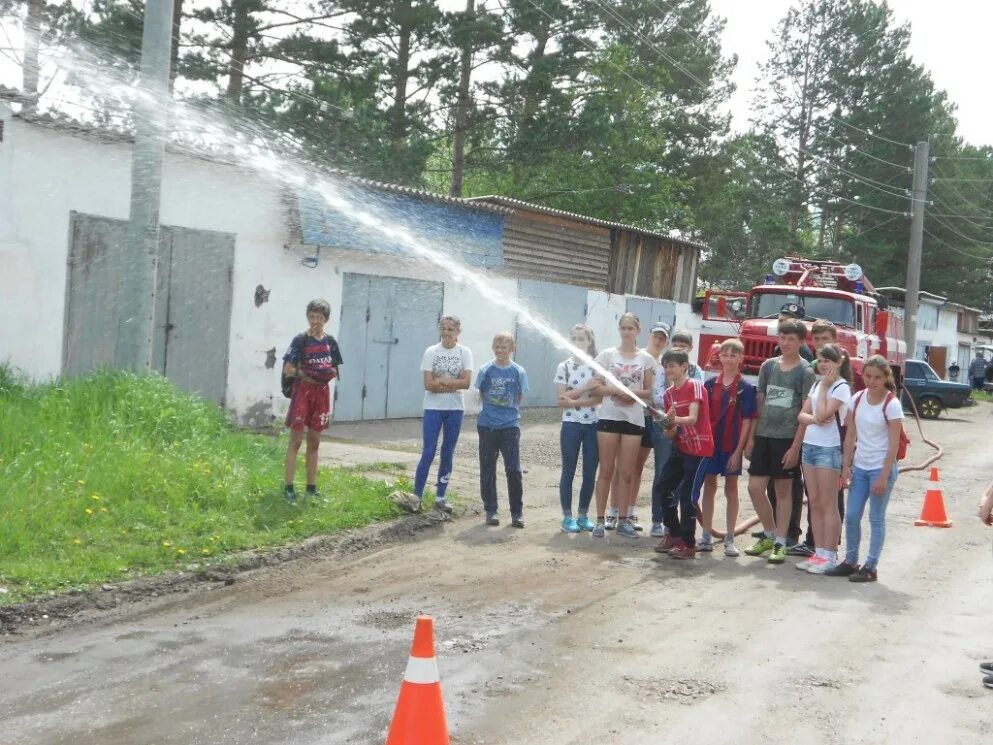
{"x":873,"y":445}
{"x":823,"y":411}
{"x":574,"y":380}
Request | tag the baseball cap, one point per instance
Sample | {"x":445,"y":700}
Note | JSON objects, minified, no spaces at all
{"x":661,"y":327}
{"x":792,"y":309}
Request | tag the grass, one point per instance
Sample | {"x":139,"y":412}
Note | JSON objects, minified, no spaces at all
{"x":982,"y":396}
{"x":115,"y":475}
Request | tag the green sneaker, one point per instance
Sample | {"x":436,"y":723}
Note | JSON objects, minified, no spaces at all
{"x":761,"y":546}
{"x":778,"y":555}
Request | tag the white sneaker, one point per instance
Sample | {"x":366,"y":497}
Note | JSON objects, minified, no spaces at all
{"x":819,"y":567}
{"x":705,"y":544}
{"x":730,"y":549}
{"x":610,"y":522}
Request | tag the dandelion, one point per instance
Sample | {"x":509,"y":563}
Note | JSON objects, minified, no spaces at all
{"x":166,"y":544}
{"x":205,"y":551}
{"x":81,"y":482}
{"x":180,"y":550}
{"x":89,"y":511}
{"x":95,"y":497}
{"x":103,"y":509}
{"x":76,"y":541}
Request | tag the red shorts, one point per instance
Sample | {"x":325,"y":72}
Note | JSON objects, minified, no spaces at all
{"x":310,"y":407}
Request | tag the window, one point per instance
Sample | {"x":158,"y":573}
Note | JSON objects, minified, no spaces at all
{"x":927,"y":316}
{"x":837,"y":310}
{"x":920,"y":371}
{"x":858,"y":316}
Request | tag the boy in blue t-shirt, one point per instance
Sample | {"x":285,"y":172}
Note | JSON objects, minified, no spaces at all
{"x":502,"y":384}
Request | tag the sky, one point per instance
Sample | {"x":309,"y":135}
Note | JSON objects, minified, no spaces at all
{"x":946,"y":37}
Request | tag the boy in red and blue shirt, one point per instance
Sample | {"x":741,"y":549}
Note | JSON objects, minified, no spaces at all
{"x":312,"y":362}
{"x":687,"y":421}
{"x":733,"y":411}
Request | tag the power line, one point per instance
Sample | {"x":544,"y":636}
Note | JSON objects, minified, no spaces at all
{"x":985,"y":259}
{"x":881,"y":186}
{"x":985,"y":159}
{"x":870,"y":134}
{"x":630,"y":27}
{"x":863,"y":152}
{"x":963,"y":236}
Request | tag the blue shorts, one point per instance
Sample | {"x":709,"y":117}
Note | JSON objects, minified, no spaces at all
{"x":820,"y":456}
{"x":717,"y":465}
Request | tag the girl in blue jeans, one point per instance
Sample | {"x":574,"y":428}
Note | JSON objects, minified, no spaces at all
{"x":573,"y":380}
{"x":875,"y":422}
{"x":447,"y":370}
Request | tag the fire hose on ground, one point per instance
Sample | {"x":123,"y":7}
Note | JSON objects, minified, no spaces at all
{"x":745,"y":526}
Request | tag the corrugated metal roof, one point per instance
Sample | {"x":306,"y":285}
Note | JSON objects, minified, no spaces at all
{"x":519,"y":204}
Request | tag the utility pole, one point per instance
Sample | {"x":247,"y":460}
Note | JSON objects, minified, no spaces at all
{"x":462,"y":109}
{"x":917,"y":205}
{"x":136,"y":328}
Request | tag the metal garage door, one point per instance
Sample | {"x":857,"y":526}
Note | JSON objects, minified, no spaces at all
{"x":563,"y":306}
{"x":386,"y":324}
{"x":649,"y":310}
{"x":193,"y":302}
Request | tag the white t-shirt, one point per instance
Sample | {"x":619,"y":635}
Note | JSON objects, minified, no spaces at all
{"x":445,"y":364}
{"x":573,"y":375}
{"x":631,"y":372}
{"x":872,"y":431}
{"x":827,"y":435}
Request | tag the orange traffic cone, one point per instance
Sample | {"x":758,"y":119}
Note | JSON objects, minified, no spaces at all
{"x":933,"y":512}
{"x":419,"y":718}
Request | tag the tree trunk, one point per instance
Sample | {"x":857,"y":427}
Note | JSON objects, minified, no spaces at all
{"x":530,"y":108}
{"x":32,"y":40}
{"x":399,"y":115}
{"x":462,"y":110}
{"x":177,"y":18}
{"x":241,"y":23}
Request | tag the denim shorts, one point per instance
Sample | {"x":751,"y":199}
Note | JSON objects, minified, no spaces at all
{"x":819,"y":456}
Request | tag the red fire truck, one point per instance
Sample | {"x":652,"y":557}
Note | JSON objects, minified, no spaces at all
{"x":826,"y":290}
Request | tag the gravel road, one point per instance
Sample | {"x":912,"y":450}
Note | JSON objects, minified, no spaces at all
{"x":543,"y":638}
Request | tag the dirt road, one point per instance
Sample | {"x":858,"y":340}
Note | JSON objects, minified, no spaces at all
{"x":545,"y":638}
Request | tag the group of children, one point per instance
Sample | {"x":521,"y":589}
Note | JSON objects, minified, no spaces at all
{"x":622,"y":404}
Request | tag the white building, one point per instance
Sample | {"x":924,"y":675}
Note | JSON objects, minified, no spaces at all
{"x":240,"y":256}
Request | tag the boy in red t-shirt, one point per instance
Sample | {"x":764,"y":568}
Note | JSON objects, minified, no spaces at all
{"x":687,"y":421}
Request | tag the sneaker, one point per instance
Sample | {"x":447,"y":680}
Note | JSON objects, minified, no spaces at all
{"x":821,"y":567}
{"x":778,"y":555}
{"x":799,"y":549}
{"x":844,"y":569}
{"x":517,"y":522}
{"x":569,"y":525}
{"x":803,"y":566}
{"x":760,"y":534}
{"x":611,"y":522}
{"x":585,"y":523}
{"x":492,"y":519}
{"x":666,"y":544}
{"x":442,"y":506}
{"x":598,"y":531}
{"x":633,"y":519}
{"x":987,"y":681}
{"x":657,"y":531}
{"x":864,"y":574}
{"x":626,"y":529}
{"x":290,"y":495}
{"x":682,"y":551}
{"x":705,"y":544}
{"x":761,"y":546}
{"x":731,"y":550}
{"x":986,"y":668}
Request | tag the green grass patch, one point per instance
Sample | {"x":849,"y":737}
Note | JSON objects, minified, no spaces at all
{"x":115,"y":475}
{"x":982,"y":396}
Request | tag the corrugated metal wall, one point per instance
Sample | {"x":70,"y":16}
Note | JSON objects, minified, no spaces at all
{"x":554,"y":249}
{"x":651,"y":267}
